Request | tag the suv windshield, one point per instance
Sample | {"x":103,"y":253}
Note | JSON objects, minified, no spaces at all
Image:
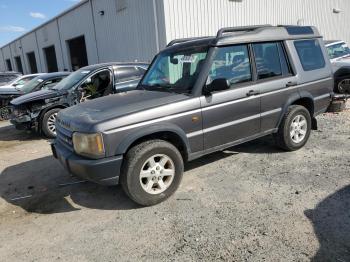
{"x":31,"y":85}
{"x":338,"y":50}
{"x":175,"y":71}
{"x":70,"y":81}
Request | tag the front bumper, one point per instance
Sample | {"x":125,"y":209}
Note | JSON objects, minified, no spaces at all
{"x":22,"y":122}
{"x":104,"y":171}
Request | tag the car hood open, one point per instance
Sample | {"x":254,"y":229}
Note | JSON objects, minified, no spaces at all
{"x":36,"y":96}
{"x":83,"y":116}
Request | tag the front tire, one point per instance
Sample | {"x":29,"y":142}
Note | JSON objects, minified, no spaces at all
{"x":343,"y":86}
{"x":152,"y":171}
{"x":48,"y":125}
{"x":295,"y":129}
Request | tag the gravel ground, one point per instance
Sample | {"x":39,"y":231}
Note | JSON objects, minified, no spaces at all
{"x":250,"y":203}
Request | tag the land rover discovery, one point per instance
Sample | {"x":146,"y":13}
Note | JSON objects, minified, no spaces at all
{"x":199,"y":96}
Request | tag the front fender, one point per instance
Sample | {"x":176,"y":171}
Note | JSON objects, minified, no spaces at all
{"x":152,"y":130}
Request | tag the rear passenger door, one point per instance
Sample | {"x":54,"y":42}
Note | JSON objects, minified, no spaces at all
{"x":127,"y":78}
{"x":275,"y":80}
{"x":233,"y":114}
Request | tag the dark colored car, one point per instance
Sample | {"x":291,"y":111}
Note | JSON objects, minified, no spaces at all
{"x":7,"y":77}
{"x":38,"y":110}
{"x":38,"y":82}
{"x":197,"y":97}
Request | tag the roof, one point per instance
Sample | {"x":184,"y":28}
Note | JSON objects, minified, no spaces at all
{"x":116,"y":64}
{"x":53,"y":75}
{"x":249,"y":34}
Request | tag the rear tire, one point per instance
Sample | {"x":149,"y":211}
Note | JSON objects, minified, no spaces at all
{"x":48,"y":125}
{"x":295,"y":129}
{"x":152,"y":171}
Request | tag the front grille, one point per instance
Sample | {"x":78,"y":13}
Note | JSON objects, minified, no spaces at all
{"x":64,"y":137}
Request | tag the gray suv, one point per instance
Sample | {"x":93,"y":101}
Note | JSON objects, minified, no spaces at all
{"x":199,"y":96}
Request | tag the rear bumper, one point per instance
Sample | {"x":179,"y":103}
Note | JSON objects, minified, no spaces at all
{"x":104,"y":171}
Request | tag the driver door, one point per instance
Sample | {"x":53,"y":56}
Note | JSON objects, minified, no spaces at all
{"x":234,"y":114}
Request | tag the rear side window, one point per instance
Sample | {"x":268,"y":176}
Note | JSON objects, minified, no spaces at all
{"x":310,"y":54}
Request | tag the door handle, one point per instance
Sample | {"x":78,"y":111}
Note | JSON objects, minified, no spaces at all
{"x":291,"y":83}
{"x":253,"y":93}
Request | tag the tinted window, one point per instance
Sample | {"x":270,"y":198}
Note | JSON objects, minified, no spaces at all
{"x":141,"y":71}
{"x":338,"y":50}
{"x":310,"y":54}
{"x":231,"y":63}
{"x":286,"y":68}
{"x":267,"y":60}
{"x":127,"y":73}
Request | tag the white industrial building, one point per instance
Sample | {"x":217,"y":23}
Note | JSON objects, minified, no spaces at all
{"x":95,"y":31}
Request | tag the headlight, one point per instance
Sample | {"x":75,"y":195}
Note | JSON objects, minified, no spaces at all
{"x":89,"y":145}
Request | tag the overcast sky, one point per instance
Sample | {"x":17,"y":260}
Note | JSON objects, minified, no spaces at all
{"x":20,"y":16}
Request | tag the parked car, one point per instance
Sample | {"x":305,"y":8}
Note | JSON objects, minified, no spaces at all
{"x":38,"y":110}
{"x":37,"y":82}
{"x":6,"y":77}
{"x":197,"y":97}
{"x":339,"y":53}
{"x":19,"y":81}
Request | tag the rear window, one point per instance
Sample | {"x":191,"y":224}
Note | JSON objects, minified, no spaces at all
{"x":310,"y":54}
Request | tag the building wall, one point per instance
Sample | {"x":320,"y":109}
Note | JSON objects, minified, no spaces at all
{"x":7,"y":55}
{"x":2,"y":62}
{"x":47,"y":36}
{"x":204,"y":17}
{"x":127,"y":34}
{"x":76,"y":23}
{"x":29,"y":44}
{"x":139,"y":30}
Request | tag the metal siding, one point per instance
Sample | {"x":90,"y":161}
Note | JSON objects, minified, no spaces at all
{"x":204,"y":17}
{"x":76,"y":23}
{"x":2,"y":62}
{"x":48,"y":35}
{"x":7,"y":55}
{"x":126,"y":35}
{"x":29,"y":44}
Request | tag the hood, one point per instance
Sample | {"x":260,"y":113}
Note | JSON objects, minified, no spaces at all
{"x":36,"y":96}
{"x":83,"y":116}
{"x":9,"y":91}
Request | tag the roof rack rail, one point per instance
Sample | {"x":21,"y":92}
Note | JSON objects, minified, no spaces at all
{"x":183,"y":40}
{"x":239,"y":29}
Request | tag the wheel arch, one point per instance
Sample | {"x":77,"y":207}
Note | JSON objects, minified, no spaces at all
{"x":304,"y":99}
{"x":47,"y":109}
{"x":168,"y":132}
{"x":341,"y":72}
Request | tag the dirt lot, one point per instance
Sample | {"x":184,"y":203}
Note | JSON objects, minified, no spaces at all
{"x":249,"y":203}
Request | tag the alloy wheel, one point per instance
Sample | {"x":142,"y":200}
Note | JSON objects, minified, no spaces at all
{"x":157,"y":174}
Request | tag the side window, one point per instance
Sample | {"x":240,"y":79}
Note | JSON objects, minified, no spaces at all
{"x":141,"y":71}
{"x":127,"y":74}
{"x":267,"y":59}
{"x":51,"y":83}
{"x":97,"y":85}
{"x":233,"y":64}
{"x":310,"y":54}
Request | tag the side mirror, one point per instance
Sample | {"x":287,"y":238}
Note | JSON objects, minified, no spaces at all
{"x":219,"y":84}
